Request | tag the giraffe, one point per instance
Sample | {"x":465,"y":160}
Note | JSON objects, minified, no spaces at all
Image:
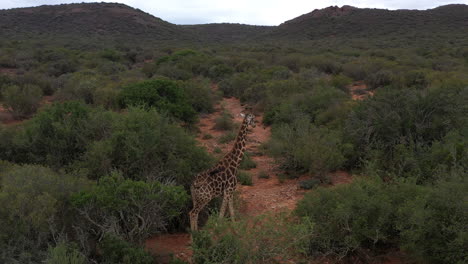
{"x":221,"y":179}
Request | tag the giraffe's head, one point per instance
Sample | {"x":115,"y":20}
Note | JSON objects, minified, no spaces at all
{"x":249,"y":119}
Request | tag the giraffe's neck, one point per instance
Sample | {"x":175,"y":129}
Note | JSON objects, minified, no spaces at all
{"x":238,"y":149}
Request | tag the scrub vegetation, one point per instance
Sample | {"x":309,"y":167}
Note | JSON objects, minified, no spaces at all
{"x":98,"y":136}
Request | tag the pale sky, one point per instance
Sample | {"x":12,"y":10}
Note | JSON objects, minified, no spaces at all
{"x":254,"y":12}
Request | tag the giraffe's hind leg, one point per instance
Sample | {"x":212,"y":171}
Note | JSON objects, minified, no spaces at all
{"x":222,"y":211}
{"x":199,"y":202}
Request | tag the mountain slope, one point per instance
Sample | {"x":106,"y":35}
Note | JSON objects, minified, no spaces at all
{"x":88,"y":20}
{"x":354,"y":22}
{"x":91,"y":23}
{"x":227,"y":32}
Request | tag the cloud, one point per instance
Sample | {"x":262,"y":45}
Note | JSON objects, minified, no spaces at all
{"x":258,"y":12}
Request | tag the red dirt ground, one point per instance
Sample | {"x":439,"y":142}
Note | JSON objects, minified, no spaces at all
{"x":359,"y":91}
{"x":8,"y":71}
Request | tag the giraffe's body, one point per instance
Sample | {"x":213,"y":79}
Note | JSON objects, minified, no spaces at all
{"x":221,"y":179}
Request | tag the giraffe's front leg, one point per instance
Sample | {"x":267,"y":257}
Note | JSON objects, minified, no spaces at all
{"x":194,"y":219}
{"x":231,"y":207}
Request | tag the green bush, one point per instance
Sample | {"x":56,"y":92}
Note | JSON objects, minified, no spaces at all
{"x":207,"y":136}
{"x":145,"y":145}
{"x":62,"y":66}
{"x":301,"y":146}
{"x":56,"y":136}
{"x":433,"y":227}
{"x":224,"y":122}
{"x":111,"y":55}
{"x":380,"y":79}
{"x":34,"y":210}
{"x":79,"y":86}
{"x":41,"y":80}
{"x":22,"y":101}
{"x":244,"y":178}
{"x":264,"y":239}
{"x":227,"y":137}
{"x":247,"y":163}
{"x":236,"y":84}
{"x":397,"y":129}
{"x":117,"y":250}
{"x":263,"y":175}
{"x":219,"y":72}
{"x":200,"y":95}
{"x":174,"y":72}
{"x":348,"y":218}
{"x":416,"y":79}
{"x":327,"y":65}
{"x":131,"y":209}
{"x":164,"y":95}
{"x":340,"y":81}
{"x":322,"y":105}
{"x":64,"y":254}
{"x":309,"y":184}
{"x":428,"y":222}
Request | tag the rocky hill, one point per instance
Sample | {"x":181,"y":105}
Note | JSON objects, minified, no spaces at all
{"x":228,"y":32}
{"x":121,"y":22}
{"x":351,"y":22}
{"x":88,"y":20}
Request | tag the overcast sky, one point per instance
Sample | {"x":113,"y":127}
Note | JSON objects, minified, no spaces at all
{"x":255,"y":12}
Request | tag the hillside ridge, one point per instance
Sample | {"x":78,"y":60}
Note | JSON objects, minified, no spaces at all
{"x":119,"y":21}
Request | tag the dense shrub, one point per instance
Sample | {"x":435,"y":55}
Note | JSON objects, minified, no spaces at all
{"x":224,"y":121}
{"x":236,"y":84}
{"x":174,"y":72}
{"x":328,"y":65}
{"x":433,"y":227}
{"x":56,"y":136}
{"x":131,"y":209}
{"x":219,"y":72}
{"x":321,"y":105}
{"x":425,"y":221}
{"x":117,"y":250}
{"x":264,"y":239}
{"x":380,"y":79}
{"x":200,"y":95}
{"x":22,"y":101}
{"x":349,"y":218}
{"x":34,"y":210}
{"x":309,"y":184}
{"x":110,"y":54}
{"x":34,"y":78}
{"x":416,"y":79}
{"x":304,"y":147}
{"x":340,"y":81}
{"x":244,"y":178}
{"x":63,"y":66}
{"x":145,"y":145}
{"x":397,"y":129}
{"x":247,"y":162}
{"x":78,"y":86}
{"x":164,"y":95}
{"x":64,"y":254}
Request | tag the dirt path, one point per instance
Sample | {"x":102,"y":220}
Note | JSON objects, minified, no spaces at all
{"x":359,"y":90}
{"x":265,"y":195}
